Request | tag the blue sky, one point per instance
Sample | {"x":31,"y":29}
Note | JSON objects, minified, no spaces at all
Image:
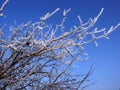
{"x":105,"y":58}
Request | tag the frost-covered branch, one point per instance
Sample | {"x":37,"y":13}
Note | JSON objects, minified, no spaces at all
{"x":49,"y":14}
{"x":3,"y":6}
{"x":39,"y":55}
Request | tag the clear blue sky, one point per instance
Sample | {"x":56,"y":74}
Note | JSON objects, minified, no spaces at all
{"x":105,"y":58}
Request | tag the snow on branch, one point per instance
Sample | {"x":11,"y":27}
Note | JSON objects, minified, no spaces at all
{"x":49,"y":15}
{"x":96,"y":18}
{"x":52,"y":47}
{"x":66,"y":11}
{"x":112,"y":28}
{"x":3,"y":6}
{"x":37,"y":36}
{"x":31,"y":36}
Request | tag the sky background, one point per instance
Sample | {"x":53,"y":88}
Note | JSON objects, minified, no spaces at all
{"x":105,"y":58}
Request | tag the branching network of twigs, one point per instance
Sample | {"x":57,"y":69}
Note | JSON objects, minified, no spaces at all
{"x":33,"y":57}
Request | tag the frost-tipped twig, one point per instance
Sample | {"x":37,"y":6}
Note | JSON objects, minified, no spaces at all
{"x":113,"y":28}
{"x":96,"y":18}
{"x":49,"y":15}
{"x":3,"y":6}
{"x":66,"y":11}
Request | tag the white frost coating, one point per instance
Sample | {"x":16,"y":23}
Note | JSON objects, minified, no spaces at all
{"x":1,"y":32}
{"x":1,"y":14}
{"x":75,"y":27}
{"x":40,"y":43}
{"x":49,"y":15}
{"x":66,"y":11}
{"x":96,"y":43}
{"x":98,"y":31}
{"x":110,"y":30}
{"x":53,"y":48}
{"x":36,"y":42}
{"x":67,"y":62}
{"x":113,"y":28}
{"x":96,"y":18}
{"x":3,"y":6}
{"x":80,"y":20}
{"x":39,"y":27}
{"x":12,"y":46}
